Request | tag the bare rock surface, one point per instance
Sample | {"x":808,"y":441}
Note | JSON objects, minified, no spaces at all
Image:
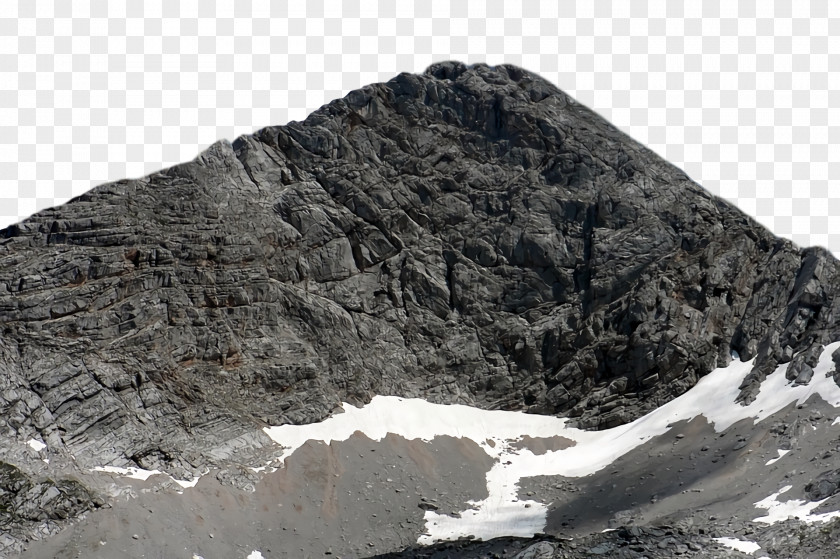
{"x":656,"y":542}
{"x":467,"y":235}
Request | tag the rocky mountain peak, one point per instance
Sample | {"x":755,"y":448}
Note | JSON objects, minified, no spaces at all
{"x":467,"y":235}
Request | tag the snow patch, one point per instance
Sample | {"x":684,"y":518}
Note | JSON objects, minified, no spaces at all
{"x":268,"y":468}
{"x":187,"y":484}
{"x":774,"y":460}
{"x":133,"y":473}
{"x":143,"y":475}
{"x":37,"y":445}
{"x":836,"y":421}
{"x":744,"y":546}
{"x":502,"y":513}
{"x":255,"y":555}
{"x":778,"y":511}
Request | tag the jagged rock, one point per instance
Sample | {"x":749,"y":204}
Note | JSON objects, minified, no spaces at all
{"x":805,"y":375}
{"x":835,"y":357}
{"x":790,"y":434}
{"x":801,"y":365}
{"x":541,"y":550}
{"x":632,"y":542}
{"x":795,"y":539}
{"x":467,"y":235}
{"x":824,"y":486}
{"x":24,"y":498}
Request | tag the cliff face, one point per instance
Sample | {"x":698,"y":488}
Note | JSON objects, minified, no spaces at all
{"x":468,"y":235}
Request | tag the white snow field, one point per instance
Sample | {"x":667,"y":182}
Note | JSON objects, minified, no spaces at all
{"x":502,"y":513}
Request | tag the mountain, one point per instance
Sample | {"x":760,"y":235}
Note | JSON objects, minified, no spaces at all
{"x":469,"y":235}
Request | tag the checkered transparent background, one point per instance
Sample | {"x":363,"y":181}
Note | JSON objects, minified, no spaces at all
{"x":745,"y":96}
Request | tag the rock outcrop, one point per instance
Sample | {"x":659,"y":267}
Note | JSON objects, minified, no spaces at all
{"x":633,"y":542}
{"x":468,"y":235}
{"x":789,"y":539}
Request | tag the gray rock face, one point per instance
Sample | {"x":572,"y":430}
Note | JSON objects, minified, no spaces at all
{"x":626,"y":542}
{"x":468,"y":235}
{"x":824,"y":486}
{"x":788,"y":539}
{"x":26,"y":502}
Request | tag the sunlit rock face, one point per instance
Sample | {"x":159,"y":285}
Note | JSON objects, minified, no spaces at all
{"x":467,"y":236}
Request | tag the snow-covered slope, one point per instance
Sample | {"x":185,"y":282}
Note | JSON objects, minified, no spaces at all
{"x":502,"y":513}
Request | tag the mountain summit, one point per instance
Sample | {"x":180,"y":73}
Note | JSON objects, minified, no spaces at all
{"x":469,"y":235}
